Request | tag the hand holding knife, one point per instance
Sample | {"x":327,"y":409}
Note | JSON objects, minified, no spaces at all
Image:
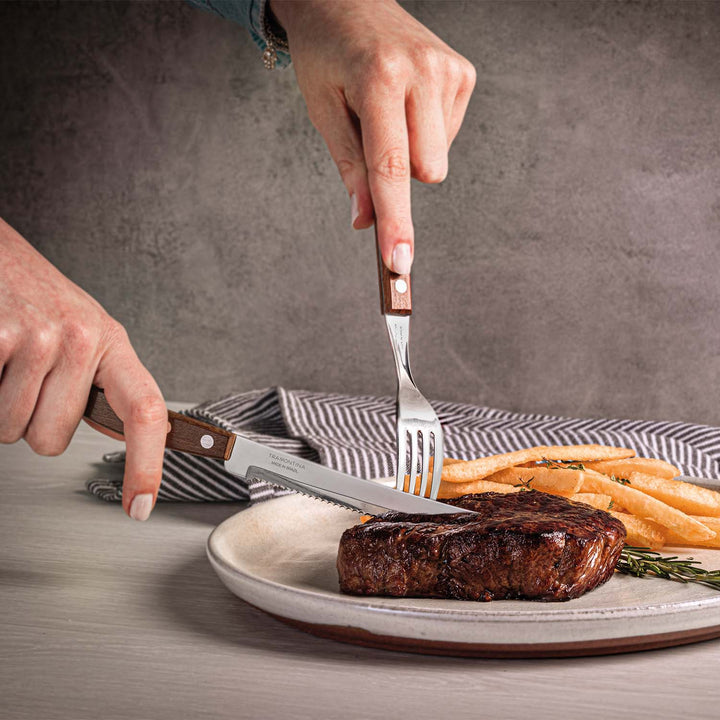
{"x":248,"y":459}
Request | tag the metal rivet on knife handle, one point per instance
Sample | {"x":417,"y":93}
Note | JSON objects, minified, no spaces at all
{"x":186,"y":434}
{"x":395,"y":296}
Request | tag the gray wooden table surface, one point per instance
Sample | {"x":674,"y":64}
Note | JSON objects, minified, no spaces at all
{"x":106,"y":618}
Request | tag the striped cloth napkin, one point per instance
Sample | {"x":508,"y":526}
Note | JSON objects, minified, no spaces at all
{"x":357,"y":435}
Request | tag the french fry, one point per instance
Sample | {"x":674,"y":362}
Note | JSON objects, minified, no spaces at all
{"x":645,"y":506}
{"x":640,"y":532}
{"x":596,"y":500}
{"x":712,"y":522}
{"x":689,"y":498}
{"x":549,"y":480}
{"x":406,"y":484}
{"x":482,"y":467}
{"x":623,"y":468}
{"x":453,"y":490}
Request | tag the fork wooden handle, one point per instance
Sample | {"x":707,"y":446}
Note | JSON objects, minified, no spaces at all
{"x":395,"y":297}
{"x":186,"y":434}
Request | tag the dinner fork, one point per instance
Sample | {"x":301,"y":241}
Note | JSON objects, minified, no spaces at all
{"x":417,"y":424}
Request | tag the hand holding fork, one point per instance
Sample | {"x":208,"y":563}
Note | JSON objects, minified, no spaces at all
{"x":417,"y":424}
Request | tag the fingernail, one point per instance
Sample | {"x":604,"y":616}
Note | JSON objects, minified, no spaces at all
{"x":141,"y":506}
{"x":402,"y":259}
{"x":354,"y":209}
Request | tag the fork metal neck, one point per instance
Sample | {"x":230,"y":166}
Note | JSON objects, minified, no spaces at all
{"x":398,"y":327}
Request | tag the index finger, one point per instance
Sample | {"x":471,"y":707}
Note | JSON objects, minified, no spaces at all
{"x":387,"y":157}
{"x":134,"y":395}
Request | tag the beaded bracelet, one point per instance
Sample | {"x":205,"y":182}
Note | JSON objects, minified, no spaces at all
{"x":274,"y":35}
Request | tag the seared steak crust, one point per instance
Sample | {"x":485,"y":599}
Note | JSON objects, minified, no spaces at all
{"x":527,"y":545}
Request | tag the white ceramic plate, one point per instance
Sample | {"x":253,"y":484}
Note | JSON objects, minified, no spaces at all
{"x":280,"y":557}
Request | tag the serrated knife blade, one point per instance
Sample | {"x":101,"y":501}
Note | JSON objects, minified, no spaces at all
{"x":253,"y":460}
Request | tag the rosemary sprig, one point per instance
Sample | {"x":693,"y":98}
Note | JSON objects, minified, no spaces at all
{"x":641,"y":562}
{"x":621,"y":480}
{"x":551,"y":464}
{"x":525,"y":484}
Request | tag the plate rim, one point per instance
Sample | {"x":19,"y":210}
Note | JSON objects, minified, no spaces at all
{"x":508,"y":650}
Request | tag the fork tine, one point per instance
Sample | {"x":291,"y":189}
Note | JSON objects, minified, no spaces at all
{"x":425,"y":462}
{"x":401,"y":457}
{"x":413,"y":460}
{"x":437,"y":463}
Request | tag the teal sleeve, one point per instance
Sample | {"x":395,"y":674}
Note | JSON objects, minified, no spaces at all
{"x":248,"y":13}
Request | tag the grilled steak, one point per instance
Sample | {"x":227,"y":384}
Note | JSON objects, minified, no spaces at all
{"x":527,"y":545}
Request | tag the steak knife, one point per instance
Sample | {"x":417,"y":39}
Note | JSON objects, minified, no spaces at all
{"x":250,"y":460}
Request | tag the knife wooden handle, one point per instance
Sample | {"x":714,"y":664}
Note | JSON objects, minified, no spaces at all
{"x":186,"y":434}
{"x":395,"y":296}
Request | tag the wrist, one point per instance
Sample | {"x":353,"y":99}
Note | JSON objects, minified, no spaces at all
{"x":285,"y":12}
{"x":292,"y":14}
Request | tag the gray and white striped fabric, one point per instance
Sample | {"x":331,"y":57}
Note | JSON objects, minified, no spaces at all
{"x":356,"y":435}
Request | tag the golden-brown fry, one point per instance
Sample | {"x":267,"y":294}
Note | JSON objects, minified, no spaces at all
{"x":482,"y":467}
{"x":713,"y":523}
{"x":645,"y":506}
{"x":453,"y":490}
{"x":549,"y":480}
{"x":406,"y":485}
{"x":640,"y":532}
{"x":689,"y":498}
{"x":596,"y":500}
{"x":623,"y":468}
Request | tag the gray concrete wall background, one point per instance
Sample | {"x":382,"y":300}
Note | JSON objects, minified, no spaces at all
{"x":568,"y":265}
